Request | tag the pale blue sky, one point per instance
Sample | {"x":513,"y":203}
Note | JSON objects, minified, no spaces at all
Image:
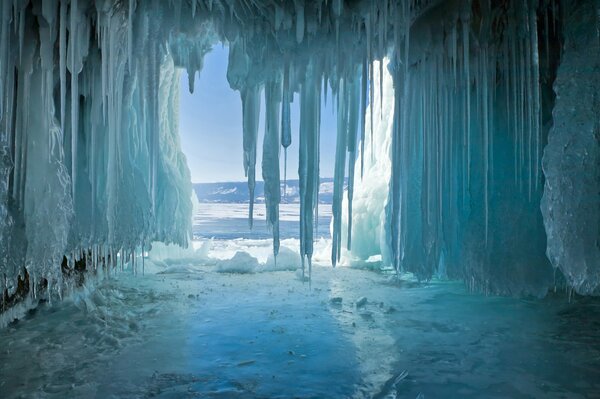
{"x":210,"y":125}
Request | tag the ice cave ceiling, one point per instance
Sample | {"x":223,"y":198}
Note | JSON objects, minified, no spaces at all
{"x":494,"y":172}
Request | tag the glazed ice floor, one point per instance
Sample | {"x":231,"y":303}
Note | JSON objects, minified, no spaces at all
{"x":199,"y":333}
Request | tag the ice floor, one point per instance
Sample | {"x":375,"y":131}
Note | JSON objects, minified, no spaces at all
{"x":194,"y":332}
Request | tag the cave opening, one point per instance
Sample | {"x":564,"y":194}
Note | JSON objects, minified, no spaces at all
{"x":419,"y":216}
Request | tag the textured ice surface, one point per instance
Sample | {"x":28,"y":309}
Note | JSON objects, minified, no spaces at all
{"x":372,"y":171}
{"x":571,"y":203}
{"x":197,"y":332}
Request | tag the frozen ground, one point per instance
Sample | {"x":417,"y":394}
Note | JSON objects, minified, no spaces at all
{"x":200,"y":333}
{"x":189,"y":328}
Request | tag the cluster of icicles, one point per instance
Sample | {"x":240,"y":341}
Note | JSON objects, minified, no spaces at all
{"x":91,"y":164}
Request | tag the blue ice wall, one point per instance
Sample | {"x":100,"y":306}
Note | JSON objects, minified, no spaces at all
{"x":571,"y":204}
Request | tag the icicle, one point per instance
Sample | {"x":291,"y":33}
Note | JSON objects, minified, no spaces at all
{"x":363,"y":106}
{"x":486,"y":135}
{"x":251,"y":112}
{"x":353,"y":120}
{"x":63,"y":61}
{"x":21,"y":14}
{"x":454,"y":49}
{"x":536,"y":91}
{"x":130,"y":35}
{"x":300,"y":24}
{"x":368,"y":27}
{"x":381,"y":25}
{"x":465,"y":19}
{"x":308,"y":159}
{"x":286,"y":125}
{"x":339,"y":170}
{"x":529,"y":111}
{"x":270,"y":160}
{"x":73,"y":34}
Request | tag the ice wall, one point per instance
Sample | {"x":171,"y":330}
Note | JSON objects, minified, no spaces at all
{"x":467,"y":175}
{"x":466,"y":132}
{"x":571,"y":204}
{"x":372,"y":171}
{"x":91,"y":167}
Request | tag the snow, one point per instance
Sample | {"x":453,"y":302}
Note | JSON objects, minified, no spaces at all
{"x":231,"y":256}
{"x":242,"y":262}
{"x":287,"y":259}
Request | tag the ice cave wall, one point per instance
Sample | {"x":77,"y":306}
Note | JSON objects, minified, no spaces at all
{"x":571,"y":204}
{"x":92,"y":170}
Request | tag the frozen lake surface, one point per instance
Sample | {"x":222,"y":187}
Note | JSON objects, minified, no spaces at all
{"x":229,"y":221}
{"x":186,"y":329}
{"x":207,"y":334}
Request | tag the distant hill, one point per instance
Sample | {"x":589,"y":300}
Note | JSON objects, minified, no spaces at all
{"x":237,"y":192}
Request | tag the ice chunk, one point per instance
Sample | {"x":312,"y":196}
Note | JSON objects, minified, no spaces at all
{"x":287,"y":259}
{"x":242,"y":262}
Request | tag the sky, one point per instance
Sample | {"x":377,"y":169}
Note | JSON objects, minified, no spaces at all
{"x":210,"y":126}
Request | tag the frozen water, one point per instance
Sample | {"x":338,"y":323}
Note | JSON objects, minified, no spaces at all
{"x":572,"y":157}
{"x":233,"y":221}
{"x":197,"y":332}
{"x":373,"y":173}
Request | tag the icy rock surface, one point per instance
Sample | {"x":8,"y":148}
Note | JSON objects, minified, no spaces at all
{"x":571,"y":203}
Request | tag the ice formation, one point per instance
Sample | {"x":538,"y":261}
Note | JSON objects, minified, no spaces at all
{"x":373,"y":171}
{"x":91,"y":169}
{"x":571,"y":159}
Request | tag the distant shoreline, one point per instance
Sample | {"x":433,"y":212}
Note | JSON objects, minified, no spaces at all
{"x":238,"y":192}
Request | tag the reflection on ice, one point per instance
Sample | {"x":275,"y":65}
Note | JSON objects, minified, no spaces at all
{"x":185,"y":329}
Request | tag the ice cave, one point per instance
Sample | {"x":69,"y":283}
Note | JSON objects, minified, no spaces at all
{"x":452,"y":249}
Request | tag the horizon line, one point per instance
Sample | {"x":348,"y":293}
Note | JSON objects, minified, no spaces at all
{"x":258,"y":181}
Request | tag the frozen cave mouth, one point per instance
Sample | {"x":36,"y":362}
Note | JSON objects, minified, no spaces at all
{"x":450,"y":147}
{"x":467,"y":162}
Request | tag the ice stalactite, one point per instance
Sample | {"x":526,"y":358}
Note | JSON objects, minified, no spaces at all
{"x":308,"y":168}
{"x":251,"y":112}
{"x":353,"y":122}
{"x":371,"y":192}
{"x":270,"y":160}
{"x":286,"y":123}
{"x":339,"y":171}
{"x":348,"y":117}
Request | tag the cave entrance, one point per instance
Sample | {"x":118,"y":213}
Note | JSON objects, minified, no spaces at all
{"x":211,"y":126}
